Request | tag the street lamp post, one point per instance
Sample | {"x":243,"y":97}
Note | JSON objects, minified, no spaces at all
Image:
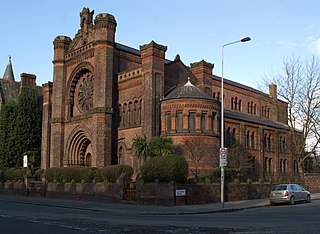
{"x":222,"y":119}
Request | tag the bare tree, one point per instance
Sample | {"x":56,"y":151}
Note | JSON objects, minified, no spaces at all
{"x":201,"y":156}
{"x":241,"y":161}
{"x":299,"y":85}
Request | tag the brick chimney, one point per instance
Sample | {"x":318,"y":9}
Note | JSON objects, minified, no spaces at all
{"x":28,"y":80}
{"x":273,"y":91}
{"x":203,"y":71}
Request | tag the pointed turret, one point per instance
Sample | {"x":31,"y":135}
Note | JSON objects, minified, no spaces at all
{"x":8,"y":74}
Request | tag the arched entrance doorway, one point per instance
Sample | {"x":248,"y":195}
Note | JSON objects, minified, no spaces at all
{"x":79,"y":150}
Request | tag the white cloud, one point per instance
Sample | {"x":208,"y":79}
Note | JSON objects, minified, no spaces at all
{"x":315,"y":46}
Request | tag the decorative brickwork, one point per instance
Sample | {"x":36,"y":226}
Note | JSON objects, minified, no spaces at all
{"x":105,"y":93}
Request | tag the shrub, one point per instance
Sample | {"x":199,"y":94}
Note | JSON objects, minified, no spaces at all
{"x":229,"y":175}
{"x":165,"y":169}
{"x":86,"y":174}
{"x":204,"y":178}
{"x":38,"y":174}
{"x":13,"y":174}
{"x":67,"y":174}
{"x":112,"y":173}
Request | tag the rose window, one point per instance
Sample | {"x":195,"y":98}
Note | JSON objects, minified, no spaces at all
{"x":85,"y":93}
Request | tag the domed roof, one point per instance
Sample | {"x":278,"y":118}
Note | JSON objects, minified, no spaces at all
{"x":188,"y":91}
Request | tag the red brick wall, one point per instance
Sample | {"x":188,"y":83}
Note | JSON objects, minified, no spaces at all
{"x":312,"y":182}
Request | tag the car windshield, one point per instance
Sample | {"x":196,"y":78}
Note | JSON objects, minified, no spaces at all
{"x":280,"y":187}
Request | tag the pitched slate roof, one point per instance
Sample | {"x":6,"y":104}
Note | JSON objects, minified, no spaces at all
{"x":9,"y":90}
{"x":254,"y":119}
{"x":8,"y":73}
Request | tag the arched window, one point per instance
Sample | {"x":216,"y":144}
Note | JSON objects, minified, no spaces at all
{"x":270,"y":142}
{"x":252,"y":140}
{"x":231,"y":103}
{"x":248,"y":140}
{"x":179,"y":121}
{"x":192,"y":122}
{"x":266,"y":165}
{"x":125,"y":114}
{"x":213,"y":121}
{"x":139,"y":114}
{"x":136,"y":112}
{"x":168,"y":122}
{"x":228,"y":137}
{"x":233,"y":137}
{"x":236,"y":103}
{"x":270,"y":170}
{"x":203,"y":122}
{"x":130,"y":113}
{"x":121,"y":155}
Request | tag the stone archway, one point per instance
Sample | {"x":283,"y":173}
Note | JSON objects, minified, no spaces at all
{"x":79,"y":149}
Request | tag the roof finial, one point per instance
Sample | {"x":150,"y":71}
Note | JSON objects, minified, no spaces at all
{"x":188,"y":82}
{"x":9,"y":58}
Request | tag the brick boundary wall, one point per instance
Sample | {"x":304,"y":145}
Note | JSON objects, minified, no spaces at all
{"x":147,"y":194}
{"x":312,"y":182}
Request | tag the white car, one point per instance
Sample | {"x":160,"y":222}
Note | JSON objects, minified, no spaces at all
{"x":289,"y":193}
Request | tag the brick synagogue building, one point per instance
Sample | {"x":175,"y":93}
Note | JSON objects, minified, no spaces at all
{"x":104,"y":94}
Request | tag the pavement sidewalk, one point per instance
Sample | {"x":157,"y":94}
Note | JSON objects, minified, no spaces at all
{"x":141,"y":209}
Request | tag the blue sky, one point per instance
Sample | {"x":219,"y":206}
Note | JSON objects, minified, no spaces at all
{"x":195,"y":29}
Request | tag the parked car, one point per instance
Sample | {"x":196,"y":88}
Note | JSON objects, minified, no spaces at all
{"x":289,"y":193}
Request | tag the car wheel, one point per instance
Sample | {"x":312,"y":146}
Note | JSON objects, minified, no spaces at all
{"x":308,"y":199}
{"x":292,"y":201}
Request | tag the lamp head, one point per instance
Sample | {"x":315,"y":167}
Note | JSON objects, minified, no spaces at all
{"x":245,"y":39}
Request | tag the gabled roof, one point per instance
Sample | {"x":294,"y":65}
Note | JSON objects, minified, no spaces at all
{"x":8,"y":74}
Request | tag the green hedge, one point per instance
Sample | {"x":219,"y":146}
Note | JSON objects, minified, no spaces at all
{"x":215,"y":176}
{"x":165,"y":169}
{"x":86,"y":174}
{"x":13,"y":174}
{"x":112,"y":173}
{"x":38,"y":174}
